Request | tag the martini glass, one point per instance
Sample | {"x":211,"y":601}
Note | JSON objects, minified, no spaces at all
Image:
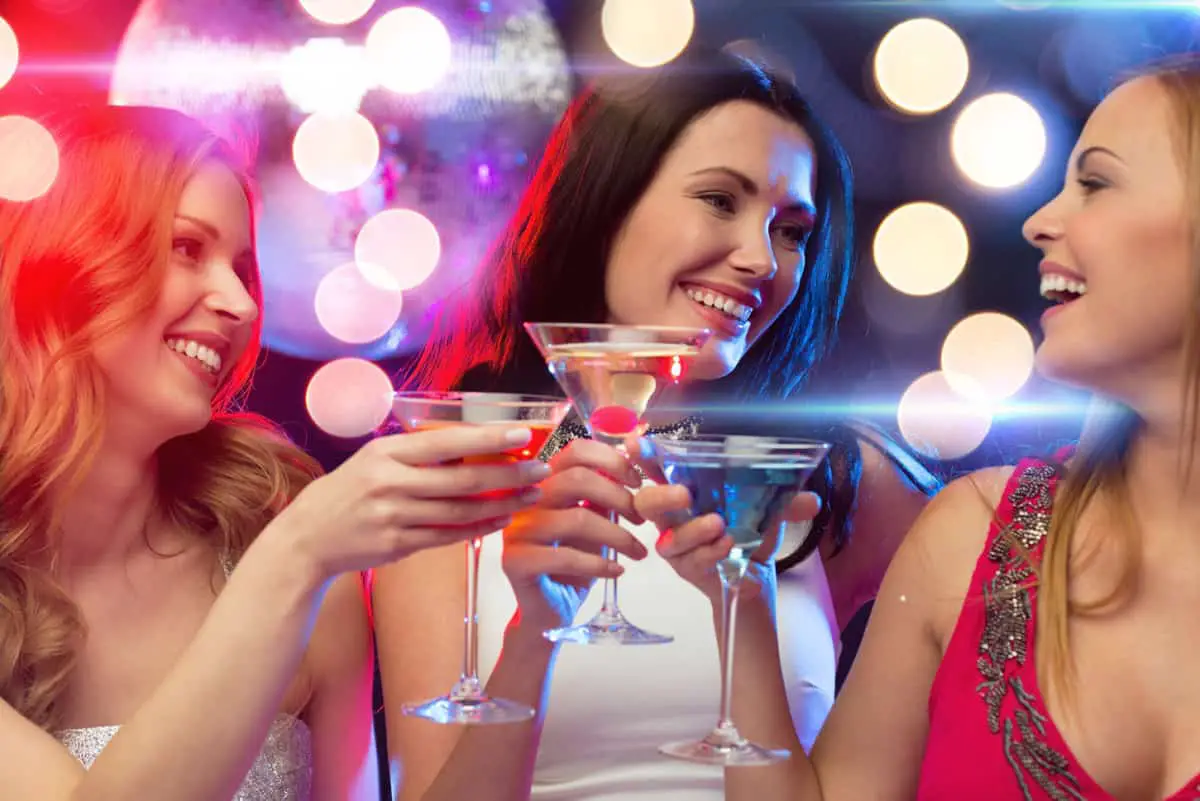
{"x":467,"y":702}
{"x":612,"y":374}
{"x":748,"y":481}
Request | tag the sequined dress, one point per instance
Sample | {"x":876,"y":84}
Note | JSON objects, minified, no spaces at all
{"x":282,"y":772}
{"x":990,"y":734}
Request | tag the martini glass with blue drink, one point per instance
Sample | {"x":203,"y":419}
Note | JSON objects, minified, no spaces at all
{"x":749,"y":482}
{"x":613,"y":374}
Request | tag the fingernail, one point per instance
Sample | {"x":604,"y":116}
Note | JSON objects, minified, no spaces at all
{"x":613,"y":569}
{"x":535,"y":469}
{"x":518,"y":436}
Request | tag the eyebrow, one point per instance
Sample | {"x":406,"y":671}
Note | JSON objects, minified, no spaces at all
{"x":1082,"y":158}
{"x":751,"y":188}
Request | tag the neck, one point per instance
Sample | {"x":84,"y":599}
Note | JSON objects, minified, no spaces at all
{"x":108,"y":517}
{"x":1163,"y":464}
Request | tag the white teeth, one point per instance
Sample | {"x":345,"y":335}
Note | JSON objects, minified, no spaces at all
{"x":729,"y":306}
{"x":1052,"y":283}
{"x":201,"y":353}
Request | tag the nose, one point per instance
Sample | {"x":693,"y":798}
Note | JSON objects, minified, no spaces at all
{"x":1044,"y":226}
{"x":754,"y":255}
{"x":229,"y":297}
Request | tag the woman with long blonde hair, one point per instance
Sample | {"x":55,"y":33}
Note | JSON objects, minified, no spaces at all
{"x":181,"y":607}
{"x":1043,"y":646}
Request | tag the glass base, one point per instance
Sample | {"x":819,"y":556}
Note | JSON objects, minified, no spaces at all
{"x":470,"y":711}
{"x":719,"y":748}
{"x":607,"y":629}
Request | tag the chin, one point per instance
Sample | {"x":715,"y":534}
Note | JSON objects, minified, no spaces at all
{"x":714,"y":362}
{"x":1070,"y":370}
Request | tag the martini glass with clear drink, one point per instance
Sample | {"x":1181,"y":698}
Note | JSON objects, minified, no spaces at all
{"x":613,"y":374}
{"x":467,"y":702}
{"x":748,"y":481}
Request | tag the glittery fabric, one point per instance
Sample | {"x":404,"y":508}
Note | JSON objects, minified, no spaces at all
{"x":1005,"y":644}
{"x":282,"y":772}
{"x":571,"y":429}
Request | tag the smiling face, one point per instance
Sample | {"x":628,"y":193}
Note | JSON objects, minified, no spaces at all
{"x":1117,"y":248}
{"x":718,"y":238}
{"x":163,"y":375}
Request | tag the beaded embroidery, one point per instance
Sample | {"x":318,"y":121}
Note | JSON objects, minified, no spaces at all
{"x":571,"y":429}
{"x":1008,"y":614}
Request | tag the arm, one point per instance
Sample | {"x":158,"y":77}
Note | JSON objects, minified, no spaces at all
{"x":420,"y":655}
{"x":219,"y":700}
{"x":339,"y":714}
{"x":871,"y":746}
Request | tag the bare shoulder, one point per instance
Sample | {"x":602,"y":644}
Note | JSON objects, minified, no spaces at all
{"x":945,"y":543}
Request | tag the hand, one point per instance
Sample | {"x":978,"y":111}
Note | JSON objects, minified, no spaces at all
{"x":396,"y":496}
{"x":694,"y":545}
{"x":552,"y":553}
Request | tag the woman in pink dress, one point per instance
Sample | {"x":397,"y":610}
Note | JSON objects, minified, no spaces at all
{"x":1036,"y":637}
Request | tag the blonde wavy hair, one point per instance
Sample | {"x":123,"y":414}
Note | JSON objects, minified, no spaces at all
{"x":77,"y":265}
{"x":1098,"y":467}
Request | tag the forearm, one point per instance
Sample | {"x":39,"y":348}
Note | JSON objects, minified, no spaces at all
{"x":199,"y":733}
{"x":760,"y":710}
{"x":496,"y":762}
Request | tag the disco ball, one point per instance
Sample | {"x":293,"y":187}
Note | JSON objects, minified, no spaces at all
{"x":460,"y":153}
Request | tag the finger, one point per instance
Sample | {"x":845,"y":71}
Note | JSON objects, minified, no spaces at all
{"x":566,"y":488}
{"x":805,"y":506}
{"x":419,"y":538}
{"x":600,"y":457}
{"x":576,"y":528}
{"x":641,"y":453}
{"x":529,"y":561}
{"x":704,"y":559}
{"x":466,"y":480}
{"x":665,"y":506}
{"x":454,"y":442}
{"x":698,"y":533}
{"x":451,"y":512}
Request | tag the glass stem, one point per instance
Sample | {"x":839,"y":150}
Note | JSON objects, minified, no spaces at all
{"x":468,"y":684}
{"x":609,"y":606}
{"x":731,"y":572}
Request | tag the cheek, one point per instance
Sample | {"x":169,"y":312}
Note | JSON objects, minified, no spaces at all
{"x":782,"y":293}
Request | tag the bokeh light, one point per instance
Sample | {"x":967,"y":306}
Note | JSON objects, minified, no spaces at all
{"x":987,"y":357}
{"x":10,"y":52}
{"x":647,"y":34}
{"x":336,"y":152}
{"x":354,"y":310}
{"x":325,"y":75}
{"x":408,"y":50}
{"x":336,"y":12}
{"x":28,"y":158}
{"x":938,"y":422}
{"x":998,"y":141}
{"x":921,"y":248}
{"x":397,"y":249}
{"x":348,"y":397}
{"x":921,"y":66}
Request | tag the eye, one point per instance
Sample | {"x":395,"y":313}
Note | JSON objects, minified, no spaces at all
{"x":794,"y":235}
{"x":187,"y":247}
{"x":1091,"y":185}
{"x":722,"y":202}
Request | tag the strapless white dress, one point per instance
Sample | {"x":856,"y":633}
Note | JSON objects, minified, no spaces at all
{"x":611,"y":707}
